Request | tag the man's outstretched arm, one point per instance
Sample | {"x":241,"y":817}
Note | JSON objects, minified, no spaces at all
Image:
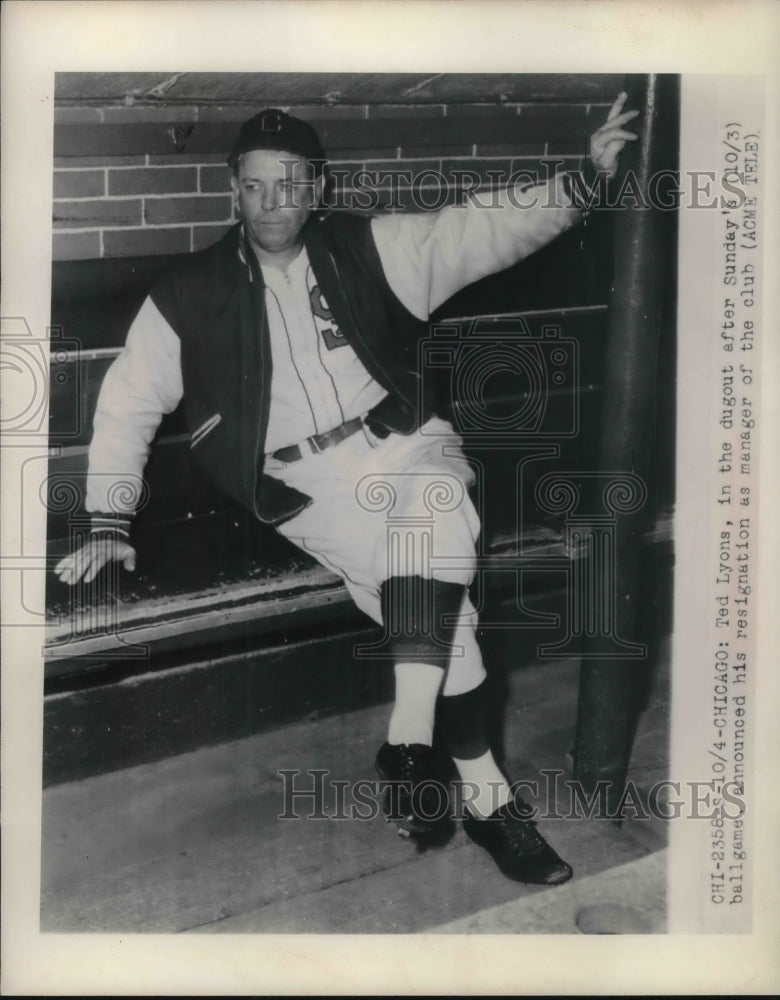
{"x":428,"y":256}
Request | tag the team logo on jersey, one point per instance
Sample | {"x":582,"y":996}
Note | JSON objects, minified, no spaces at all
{"x":323,"y":319}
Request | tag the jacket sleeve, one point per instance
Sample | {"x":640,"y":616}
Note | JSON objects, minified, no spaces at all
{"x":429,"y":256}
{"x":142,"y":384}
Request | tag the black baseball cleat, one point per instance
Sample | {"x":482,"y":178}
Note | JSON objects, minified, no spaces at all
{"x":516,"y":846}
{"x":416,"y":798}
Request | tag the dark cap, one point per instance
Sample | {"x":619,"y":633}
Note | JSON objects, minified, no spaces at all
{"x":275,"y":129}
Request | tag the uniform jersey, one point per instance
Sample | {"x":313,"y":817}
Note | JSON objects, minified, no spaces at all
{"x":318,"y":381}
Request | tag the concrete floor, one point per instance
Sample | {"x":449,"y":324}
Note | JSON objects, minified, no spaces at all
{"x":194,"y":843}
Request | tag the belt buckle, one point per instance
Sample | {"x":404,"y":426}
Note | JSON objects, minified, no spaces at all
{"x":315,"y":448}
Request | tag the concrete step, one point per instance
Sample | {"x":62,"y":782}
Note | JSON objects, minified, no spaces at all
{"x":448,"y":884}
{"x":194,"y":842}
{"x":628,"y":898}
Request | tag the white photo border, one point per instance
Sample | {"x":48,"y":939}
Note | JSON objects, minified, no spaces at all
{"x":39,"y":39}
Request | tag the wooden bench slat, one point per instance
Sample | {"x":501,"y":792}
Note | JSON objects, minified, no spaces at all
{"x":253,"y":607}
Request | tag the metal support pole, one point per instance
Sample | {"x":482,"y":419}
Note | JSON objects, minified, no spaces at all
{"x":605,"y":713}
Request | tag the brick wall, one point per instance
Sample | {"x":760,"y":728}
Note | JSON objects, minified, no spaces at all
{"x":128,"y":202}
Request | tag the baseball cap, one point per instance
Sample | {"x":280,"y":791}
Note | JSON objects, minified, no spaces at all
{"x":275,"y":129}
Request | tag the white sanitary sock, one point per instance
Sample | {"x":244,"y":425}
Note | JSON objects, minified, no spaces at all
{"x":465,"y":670}
{"x":487,"y":789}
{"x":416,"y":689}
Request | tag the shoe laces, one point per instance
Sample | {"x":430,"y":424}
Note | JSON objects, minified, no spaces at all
{"x":521,"y":833}
{"x":420,"y":763}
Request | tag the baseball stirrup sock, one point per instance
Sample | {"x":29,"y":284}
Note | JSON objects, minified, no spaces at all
{"x":462,"y":718}
{"x":420,"y":617}
{"x":416,"y":688}
{"x":462,"y":723}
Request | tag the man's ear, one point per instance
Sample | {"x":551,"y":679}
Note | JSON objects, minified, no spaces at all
{"x":319,"y":186}
{"x":236,"y":206}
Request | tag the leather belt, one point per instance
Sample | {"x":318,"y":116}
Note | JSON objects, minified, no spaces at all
{"x":318,"y":442}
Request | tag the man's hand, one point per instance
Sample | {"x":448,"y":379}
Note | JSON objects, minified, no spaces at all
{"x":88,"y":561}
{"x":607,"y":142}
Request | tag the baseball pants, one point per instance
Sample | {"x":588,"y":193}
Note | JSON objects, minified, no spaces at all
{"x":392,"y":507}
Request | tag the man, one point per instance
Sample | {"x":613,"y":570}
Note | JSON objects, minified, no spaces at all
{"x":293,"y":345}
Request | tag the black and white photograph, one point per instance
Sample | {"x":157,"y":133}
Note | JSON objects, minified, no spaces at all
{"x":386,"y":507}
{"x":333,"y":644}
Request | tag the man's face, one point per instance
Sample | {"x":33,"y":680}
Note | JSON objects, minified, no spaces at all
{"x":276,"y":193}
